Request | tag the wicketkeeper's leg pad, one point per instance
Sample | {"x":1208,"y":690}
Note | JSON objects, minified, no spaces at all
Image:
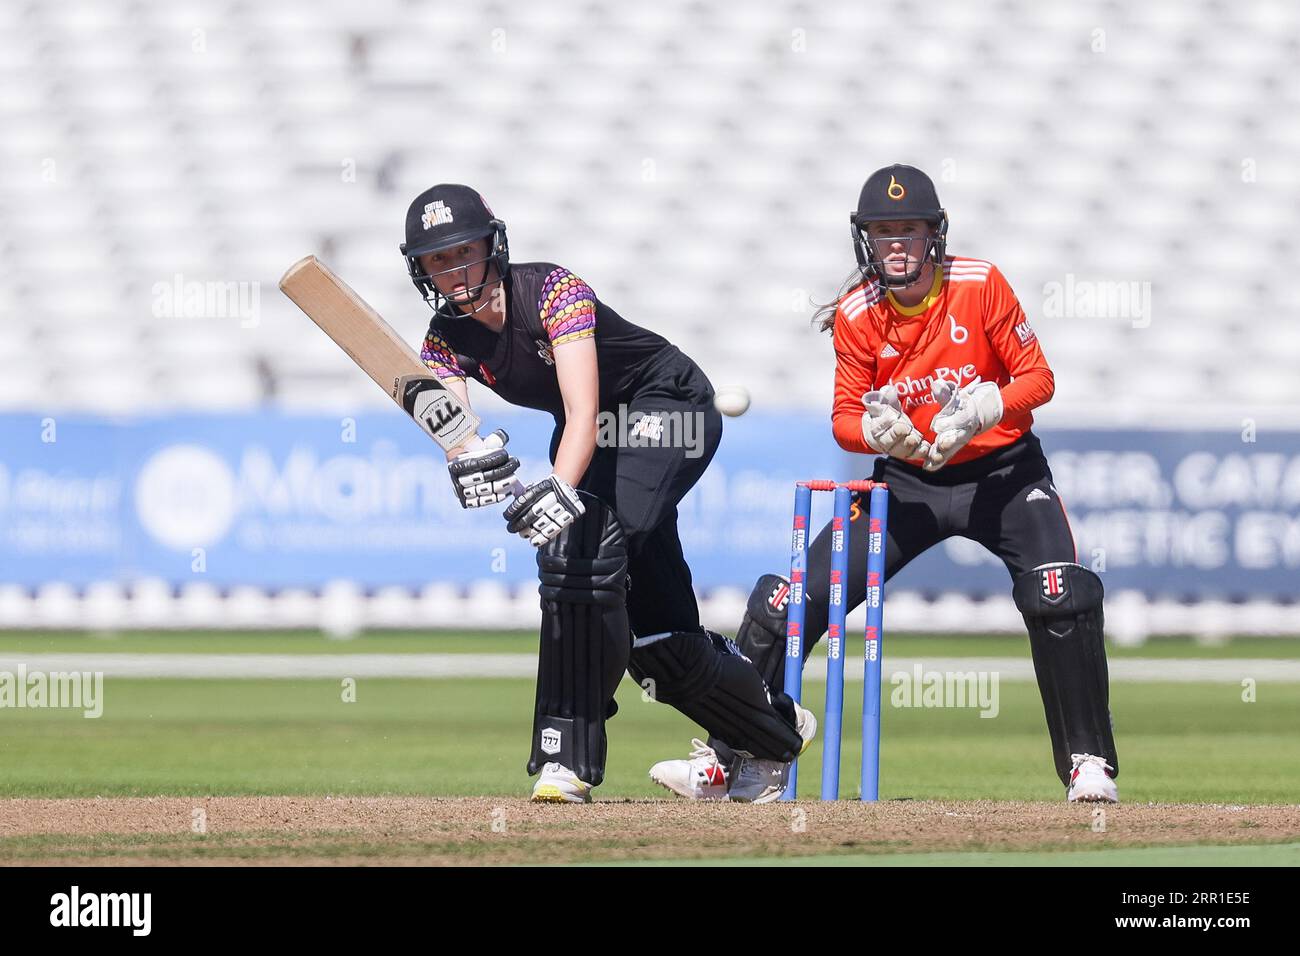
{"x":761,"y":636}
{"x":1061,"y":603}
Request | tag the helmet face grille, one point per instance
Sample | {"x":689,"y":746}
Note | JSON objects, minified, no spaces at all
{"x":873,"y":268}
{"x":443,"y":217}
{"x":893,"y":194}
{"x":498,"y":255}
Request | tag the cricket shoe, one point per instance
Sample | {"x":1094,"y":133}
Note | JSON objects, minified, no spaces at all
{"x":700,"y":777}
{"x":762,"y":781}
{"x":558,"y":784}
{"x":1089,"y":781}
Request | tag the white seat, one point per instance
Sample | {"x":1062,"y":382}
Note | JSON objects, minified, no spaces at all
{"x":17,"y":608}
{"x":25,"y":387}
{"x":152,"y":604}
{"x":200,"y":605}
{"x":230,"y":387}
{"x":57,"y":606}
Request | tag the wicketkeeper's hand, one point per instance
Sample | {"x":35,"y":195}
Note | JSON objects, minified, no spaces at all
{"x":543,"y":510}
{"x":485,"y":475}
{"x":965,"y":413}
{"x":887,"y":429}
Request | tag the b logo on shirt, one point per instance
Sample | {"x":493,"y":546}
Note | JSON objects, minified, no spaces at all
{"x":956,"y":332}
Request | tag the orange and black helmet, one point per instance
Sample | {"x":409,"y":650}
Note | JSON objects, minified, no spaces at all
{"x":893,"y":193}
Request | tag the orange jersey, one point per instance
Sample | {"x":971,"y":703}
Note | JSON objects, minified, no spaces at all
{"x":970,"y":326}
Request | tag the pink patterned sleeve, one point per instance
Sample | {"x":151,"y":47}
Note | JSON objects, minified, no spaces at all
{"x":437,"y":354}
{"x":567,"y":307}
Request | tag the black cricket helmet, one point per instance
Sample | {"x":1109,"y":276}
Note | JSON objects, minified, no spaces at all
{"x":889,"y":194}
{"x":443,"y":217}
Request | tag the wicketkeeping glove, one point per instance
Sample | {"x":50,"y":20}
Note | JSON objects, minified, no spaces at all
{"x":486,"y":475}
{"x":887,"y":429}
{"x":965,"y":413}
{"x":543,"y":510}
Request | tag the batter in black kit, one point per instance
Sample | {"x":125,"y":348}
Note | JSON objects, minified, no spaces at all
{"x":635,"y":428}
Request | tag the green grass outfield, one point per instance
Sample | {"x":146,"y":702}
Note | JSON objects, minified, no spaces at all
{"x":1189,"y":742}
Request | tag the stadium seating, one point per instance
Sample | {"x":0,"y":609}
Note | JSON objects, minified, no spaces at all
{"x":693,"y":162}
{"x":700,"y":187}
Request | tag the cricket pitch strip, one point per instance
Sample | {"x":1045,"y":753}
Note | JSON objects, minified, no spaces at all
{"x":278,"y":830}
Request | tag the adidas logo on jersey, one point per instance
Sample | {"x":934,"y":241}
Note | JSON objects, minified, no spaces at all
{"x":888,"y":351}
{"x":1038,"y":494}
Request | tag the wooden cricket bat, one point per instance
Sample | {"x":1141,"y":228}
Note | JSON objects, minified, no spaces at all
{"x":371,"y":342}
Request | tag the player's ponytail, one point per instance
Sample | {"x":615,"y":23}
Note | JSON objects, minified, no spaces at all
{"x":824,"y":317}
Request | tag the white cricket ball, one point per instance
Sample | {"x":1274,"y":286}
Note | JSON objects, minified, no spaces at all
{"x":731,"y":400}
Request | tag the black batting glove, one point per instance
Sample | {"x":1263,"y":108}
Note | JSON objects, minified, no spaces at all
{"x":486,"y":475}
{"x":543,"y":510}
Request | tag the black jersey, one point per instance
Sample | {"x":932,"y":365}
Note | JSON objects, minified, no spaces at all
{"x":547,"y":305}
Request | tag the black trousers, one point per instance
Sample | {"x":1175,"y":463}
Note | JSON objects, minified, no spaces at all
{"x":644,"y":482}
{"x":1004,"y":500}
{"x":643,"y":476}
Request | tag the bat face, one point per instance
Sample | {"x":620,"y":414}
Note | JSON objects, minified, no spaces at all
{"x":371,"y":342}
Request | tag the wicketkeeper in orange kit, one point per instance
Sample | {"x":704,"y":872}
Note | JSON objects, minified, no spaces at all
{"x":937,"y":370}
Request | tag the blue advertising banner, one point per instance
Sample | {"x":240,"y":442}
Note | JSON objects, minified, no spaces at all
{"x":278,"y":500}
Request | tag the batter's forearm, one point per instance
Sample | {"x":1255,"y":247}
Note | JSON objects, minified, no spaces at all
{"x":577,"y":446}
{"x":459,"y":388}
